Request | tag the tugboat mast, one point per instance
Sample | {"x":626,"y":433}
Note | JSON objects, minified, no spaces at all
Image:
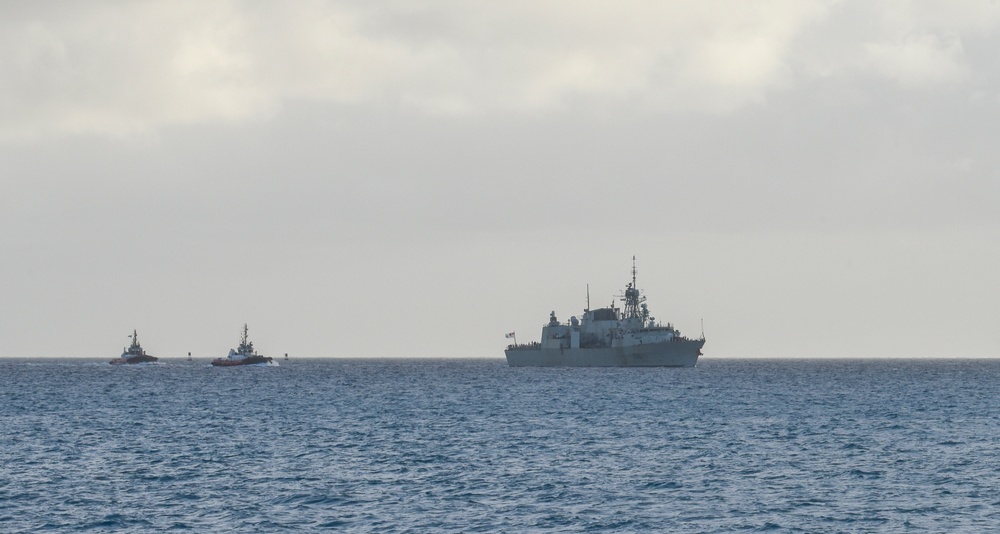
{"x":246,"y":347}
{"x":135,"y":340}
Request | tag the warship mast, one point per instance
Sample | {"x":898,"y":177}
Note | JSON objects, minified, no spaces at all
{"x":632,"y":299}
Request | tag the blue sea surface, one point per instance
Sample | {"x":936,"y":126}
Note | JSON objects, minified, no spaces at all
{"x":475,"y":446}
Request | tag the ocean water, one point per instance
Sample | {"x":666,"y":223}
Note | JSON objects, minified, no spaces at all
{"x":475,"y":446}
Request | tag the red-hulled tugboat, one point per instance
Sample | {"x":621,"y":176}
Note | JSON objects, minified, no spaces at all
{"x":244,"y":355}
{"x":134,"y":354}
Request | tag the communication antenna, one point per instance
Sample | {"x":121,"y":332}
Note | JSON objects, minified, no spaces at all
{"x":588,"y":298}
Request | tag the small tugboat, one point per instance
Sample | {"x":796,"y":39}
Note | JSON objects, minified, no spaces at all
{"x":244,"y":355}
{"x":134,"y":354}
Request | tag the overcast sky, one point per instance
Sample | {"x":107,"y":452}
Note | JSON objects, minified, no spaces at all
{"x":389,"y":179}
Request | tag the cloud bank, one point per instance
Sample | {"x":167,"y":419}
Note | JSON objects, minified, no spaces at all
{"x":111,"y":68}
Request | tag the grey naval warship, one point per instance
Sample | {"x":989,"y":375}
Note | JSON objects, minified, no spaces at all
{"x":608,"y":337}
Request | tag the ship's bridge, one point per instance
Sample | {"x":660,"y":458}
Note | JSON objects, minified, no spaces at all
{"x":603,"y":314}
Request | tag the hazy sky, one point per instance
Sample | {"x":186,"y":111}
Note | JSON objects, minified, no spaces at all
{"x":353,"y":179}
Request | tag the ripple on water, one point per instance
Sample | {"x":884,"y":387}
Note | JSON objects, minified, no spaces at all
{"x":474,"y":446}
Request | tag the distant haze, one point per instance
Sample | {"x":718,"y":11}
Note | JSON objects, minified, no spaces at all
{"x":362,"y":179}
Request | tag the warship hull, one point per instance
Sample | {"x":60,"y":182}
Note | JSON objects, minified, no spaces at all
{"x":674,"y":353}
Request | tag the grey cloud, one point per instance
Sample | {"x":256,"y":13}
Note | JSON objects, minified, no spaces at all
{"x":120,"y":68}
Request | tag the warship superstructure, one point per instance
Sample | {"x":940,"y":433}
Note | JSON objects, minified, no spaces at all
{"x":609,"y":337}
{"x":134,"y":354}
{"x":244,"y":355}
